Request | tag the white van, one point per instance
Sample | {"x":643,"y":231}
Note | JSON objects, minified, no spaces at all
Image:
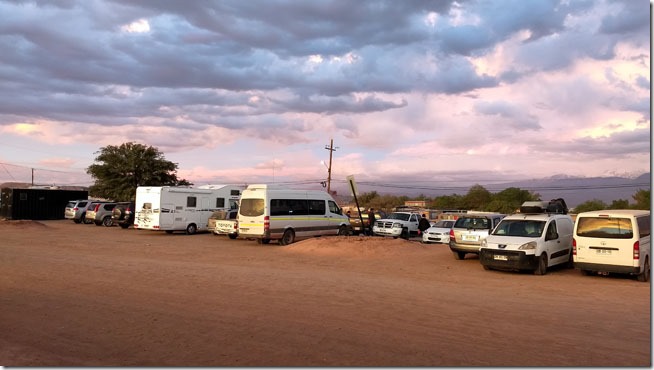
{"x":613,"y":241}
{"x":270,"y":212}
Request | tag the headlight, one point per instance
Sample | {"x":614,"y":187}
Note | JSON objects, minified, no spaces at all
{"x":397,"y":225}
{"x":484,"y":243}
{"x":530,"y":245}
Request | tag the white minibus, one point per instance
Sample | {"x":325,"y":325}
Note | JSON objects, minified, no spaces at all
{"x":270,"y":212}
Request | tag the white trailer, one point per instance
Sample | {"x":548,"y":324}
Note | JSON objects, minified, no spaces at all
{"x":181,"y":208}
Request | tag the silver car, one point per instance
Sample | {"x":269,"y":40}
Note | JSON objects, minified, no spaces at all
{"x":76,"y":210}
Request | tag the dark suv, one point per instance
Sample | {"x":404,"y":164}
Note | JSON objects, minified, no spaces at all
{"x":123,"y":214}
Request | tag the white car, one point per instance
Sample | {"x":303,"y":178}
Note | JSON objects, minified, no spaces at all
{"x":439,"y":232}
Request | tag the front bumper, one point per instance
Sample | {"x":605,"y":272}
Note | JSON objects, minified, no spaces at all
{"x":395,"y":232}
{"x":508,"y":260}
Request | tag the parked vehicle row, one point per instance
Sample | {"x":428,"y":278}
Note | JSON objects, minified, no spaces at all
{"x":541,"y":235}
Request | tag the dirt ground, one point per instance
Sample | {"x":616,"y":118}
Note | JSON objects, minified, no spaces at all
{"x":82,"y":295}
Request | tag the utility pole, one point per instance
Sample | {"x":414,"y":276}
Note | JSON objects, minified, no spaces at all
{"x":329,"y":169}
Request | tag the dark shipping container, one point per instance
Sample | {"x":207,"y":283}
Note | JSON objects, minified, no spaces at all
{"x":36,"y":204}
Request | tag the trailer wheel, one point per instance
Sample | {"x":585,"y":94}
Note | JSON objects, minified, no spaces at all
{"x":287,"y":238}
{"x":191,"y":229}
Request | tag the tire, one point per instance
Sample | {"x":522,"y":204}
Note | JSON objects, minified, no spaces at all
{"x":459,"y":255}
{"x":487,"y":268}
{"x":342,"y":231}
{"x":233,"y":236}
{"x":287,"y":238}
{"x":107,"y":221}
{"x":644,"y":276}
{"x":542,"y":265}
{"x":97,"y":223}
{"x":191,"y":229}
{"x":77,"y":221}
{"x":405,"y":234}
{"x":571,"y":262}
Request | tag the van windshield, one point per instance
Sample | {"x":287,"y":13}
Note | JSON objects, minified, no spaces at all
{"x":399,"y":216}
{"x":528,"y":228}
{"x":605,"y":227}
{"x":251,"y":207}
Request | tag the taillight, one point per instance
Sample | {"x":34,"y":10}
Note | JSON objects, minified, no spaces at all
{"x":452,"y":238}
{"x":266,"y":223}
{"x":75,"y":209}
{"x":235,"y":225}
{"x":636,"y":250}
{"x":574,"y":247}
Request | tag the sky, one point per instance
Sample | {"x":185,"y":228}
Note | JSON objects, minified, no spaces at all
{"x":411,"y":92}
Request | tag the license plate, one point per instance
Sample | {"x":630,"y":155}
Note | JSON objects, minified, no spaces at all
{"x":500,"y":257}
{"x":470,"y":238}
{"x":604,"y":252}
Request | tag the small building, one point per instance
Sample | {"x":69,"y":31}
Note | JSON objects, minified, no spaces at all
{"x":37,"y":203}
{"x":416,"y":203}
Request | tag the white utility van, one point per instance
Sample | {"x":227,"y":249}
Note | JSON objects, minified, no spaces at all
{"x":180,"y":208}
{"x":613,"y":241}
{"x":268,"y":212}
{"x":532,"y":239}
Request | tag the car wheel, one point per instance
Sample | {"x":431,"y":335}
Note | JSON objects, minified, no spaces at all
{"x":342,"y":231}
{"x":542,"y":265}
{"x":287,"y":238}
{"x":191,"y":229}
{"x":459,"y":255}
{"x":107,"y":221}
{"x":405,"y":233}
{"x":233,"y":236}
{"x":571,"y":262}
{"x":644,"y":276}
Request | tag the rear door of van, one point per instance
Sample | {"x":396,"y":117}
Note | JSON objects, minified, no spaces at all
{"x":604,"y":239}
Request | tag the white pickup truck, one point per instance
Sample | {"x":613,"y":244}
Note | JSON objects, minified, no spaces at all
{"x":224,"y":223}
{"x":398,"y":224}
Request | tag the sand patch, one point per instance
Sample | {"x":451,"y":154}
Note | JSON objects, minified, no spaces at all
{"x":21,"y":224}
{"x":356,"y":246}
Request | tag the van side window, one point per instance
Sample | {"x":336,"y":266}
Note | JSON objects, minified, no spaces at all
{"x":316,"y":207}
{"x":285,"y":207}
{"x":220,"y":202}
{"x":334,"y":208}
{"x":551,"y":231}
{"x":234,"y":192}
{"x":644,"y":226}
{"x":191,"y":201}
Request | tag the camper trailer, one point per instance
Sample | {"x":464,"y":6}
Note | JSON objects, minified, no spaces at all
{"x":176,"y":208}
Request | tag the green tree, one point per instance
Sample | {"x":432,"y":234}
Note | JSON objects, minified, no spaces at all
{"x":119,"y":170}
{"x":591,"y":205}
{"x":643,"y":199}
{"x":477,"y":198}
{"x":454,"y":201}
{"x":510,"y":199}
{"x":619,"y":204}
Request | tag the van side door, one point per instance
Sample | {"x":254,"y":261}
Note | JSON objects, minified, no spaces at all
{"x":556,"y":245}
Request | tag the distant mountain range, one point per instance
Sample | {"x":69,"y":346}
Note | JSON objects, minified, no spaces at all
{"x":577,"y":190}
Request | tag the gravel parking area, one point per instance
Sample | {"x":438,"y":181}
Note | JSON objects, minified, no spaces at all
{"x":83,"y":295}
